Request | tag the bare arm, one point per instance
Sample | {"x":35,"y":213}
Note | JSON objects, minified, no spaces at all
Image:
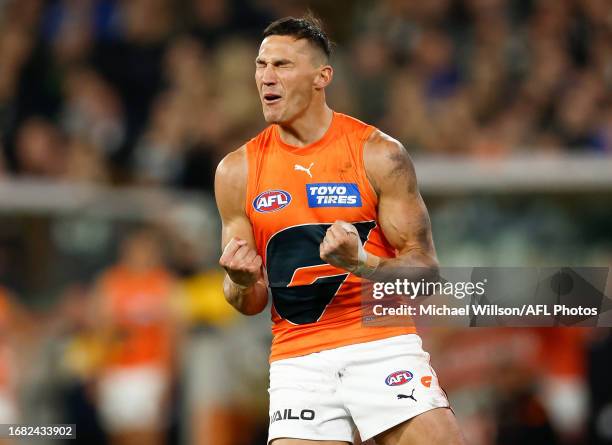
{"x":402,"y":216}
{"x":402,"y":213}
{"x":244,"y":285}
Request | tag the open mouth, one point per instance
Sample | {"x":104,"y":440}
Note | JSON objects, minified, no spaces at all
{"x":271,"y":98}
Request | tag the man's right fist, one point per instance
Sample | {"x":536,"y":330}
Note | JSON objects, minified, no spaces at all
{"x":242,"y":264}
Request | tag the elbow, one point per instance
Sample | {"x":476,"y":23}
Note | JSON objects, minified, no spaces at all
{"x":249,"y":307}
{"x":252,"y":309}
{"x":427,"y":265}
{"x":432,"y":271}
{"x":428,"y":270}
{"x":258,"y":301}
{"x":250,"y":303}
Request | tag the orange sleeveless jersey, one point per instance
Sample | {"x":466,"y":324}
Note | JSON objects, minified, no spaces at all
{"x":138,"y":304}
{"x":293,"y":195}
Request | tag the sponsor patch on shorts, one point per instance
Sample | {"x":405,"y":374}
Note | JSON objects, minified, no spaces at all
{"x":333,"y":194}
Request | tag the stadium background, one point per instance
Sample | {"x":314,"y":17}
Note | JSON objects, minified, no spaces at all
{"x":114,"y":113}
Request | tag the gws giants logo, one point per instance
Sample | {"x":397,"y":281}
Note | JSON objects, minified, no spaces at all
{"x":271,"y":201}
{"x":398,"y":378}
{"x":426,"y":381}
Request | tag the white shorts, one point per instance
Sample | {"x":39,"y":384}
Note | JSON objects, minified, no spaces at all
{"x":132,"y":398}
{"x":369,"y":386}
{"x":8,"y":408}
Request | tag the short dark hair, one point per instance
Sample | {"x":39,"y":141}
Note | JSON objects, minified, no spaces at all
{"x":306,"y":27}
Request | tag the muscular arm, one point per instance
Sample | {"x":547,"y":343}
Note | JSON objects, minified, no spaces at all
{"x":402,"y":217}
{"x":244,"y":285}
{"x":402,"y":214}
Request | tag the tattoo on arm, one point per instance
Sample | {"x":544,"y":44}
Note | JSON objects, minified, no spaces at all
{"x":402,"y":168}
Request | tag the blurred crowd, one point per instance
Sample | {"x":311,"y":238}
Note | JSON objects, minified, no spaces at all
{"x":156,"y":91}
{"x":148,"y":352}
{"x":125,"y":332}
{"x":145,"y":353}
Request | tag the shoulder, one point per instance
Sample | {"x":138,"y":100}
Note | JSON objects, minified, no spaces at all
{"x":234,"y":165}
{"x":387,"y":161}
{"x":231,"y":180}
{"x":352,"y":125}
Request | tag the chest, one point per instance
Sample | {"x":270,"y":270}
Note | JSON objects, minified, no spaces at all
{"x":298,"y":190}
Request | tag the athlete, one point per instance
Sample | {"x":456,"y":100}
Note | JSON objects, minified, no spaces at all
{"x":312,"y":207}
{"x":136,"y":323}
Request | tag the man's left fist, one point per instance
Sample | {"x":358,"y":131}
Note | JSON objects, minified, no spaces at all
{"x":342,"y":247}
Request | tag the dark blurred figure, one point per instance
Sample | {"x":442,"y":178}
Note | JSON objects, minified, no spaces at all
{"x":213,"y":21}
{"x":79,"y":356}
{"x":39,"y":149}
{"x":600,"y":364}
{"x":514,"y":386}
{"x":132,"y":61}
{"x":93,"y":111}
{"x":520,"y":416}
{"x":370,"y":75}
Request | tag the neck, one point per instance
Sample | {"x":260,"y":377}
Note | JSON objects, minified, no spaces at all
{"x":307,"y":128}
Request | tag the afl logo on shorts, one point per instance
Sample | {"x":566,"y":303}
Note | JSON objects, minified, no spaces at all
{"x":398,"y":378}
{"x":271,"y":201}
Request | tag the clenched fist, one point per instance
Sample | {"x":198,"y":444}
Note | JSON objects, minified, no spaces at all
{"x":242,"y":263}
{"x":342,"y":247}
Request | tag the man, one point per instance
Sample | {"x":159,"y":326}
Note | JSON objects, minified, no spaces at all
{"x":322,"y":201}
{"x":136,"y":320}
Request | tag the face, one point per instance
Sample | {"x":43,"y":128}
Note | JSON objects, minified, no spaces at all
{"x":288,"y":73}
{"x":141,"y":251}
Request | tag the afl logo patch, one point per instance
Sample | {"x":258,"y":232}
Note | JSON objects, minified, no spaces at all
{"x":271,"y":201}
{"x":398,"y":378}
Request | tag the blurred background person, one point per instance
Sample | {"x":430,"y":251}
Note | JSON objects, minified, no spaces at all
{"x":223,"y":358}
{"x":136,"y":320}
{"x":15,"y":342}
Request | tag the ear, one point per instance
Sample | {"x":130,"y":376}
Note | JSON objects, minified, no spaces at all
{"x":324,"y":77}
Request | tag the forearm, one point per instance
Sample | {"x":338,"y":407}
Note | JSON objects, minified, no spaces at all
{"x":249,"y":300}
{"x":413,"y":265}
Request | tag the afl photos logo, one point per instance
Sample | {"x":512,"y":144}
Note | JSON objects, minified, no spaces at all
{"x":271,"y":201}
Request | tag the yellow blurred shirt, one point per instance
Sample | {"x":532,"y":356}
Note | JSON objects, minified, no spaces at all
{"x":204,"y":301}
